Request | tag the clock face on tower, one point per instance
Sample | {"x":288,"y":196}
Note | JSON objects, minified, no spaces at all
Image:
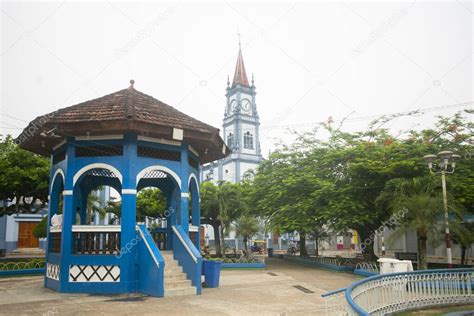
{"x":246,"y":106}
{"x":233,"y":106}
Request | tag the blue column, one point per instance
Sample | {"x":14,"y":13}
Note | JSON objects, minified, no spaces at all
{"x":169,"y":231}
{"x":52,"y":209}
{"x":171,"y":220}
{"x":196,"y":211}
{"x":128,"y":168}
{"x":183,"y":217}
{"x":68,"y":216}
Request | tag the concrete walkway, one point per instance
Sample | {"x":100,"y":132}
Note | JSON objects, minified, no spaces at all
{"x":242,"y":292}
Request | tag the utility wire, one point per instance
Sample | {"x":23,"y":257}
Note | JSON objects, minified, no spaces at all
{"x":364,"y":118}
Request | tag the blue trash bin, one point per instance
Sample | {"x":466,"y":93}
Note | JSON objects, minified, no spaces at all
{"x":212,"y":272}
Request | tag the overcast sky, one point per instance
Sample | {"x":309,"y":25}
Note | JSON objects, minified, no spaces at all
{"x":311,"y":60}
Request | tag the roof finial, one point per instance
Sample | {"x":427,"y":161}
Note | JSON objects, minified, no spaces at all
{"x":131,"y":83}
{"x":228,"y":81}
{"x":238,"y":34}
{"x":253,"y":81}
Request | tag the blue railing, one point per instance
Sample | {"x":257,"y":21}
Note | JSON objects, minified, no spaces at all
{"x":388,"y":293}
{"x":152,"y":265}
{"x":188,"y":256}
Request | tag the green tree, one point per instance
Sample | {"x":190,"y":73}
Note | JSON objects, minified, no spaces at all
{"x":341,"y":181}
{"x":281,"y":193}
{"x":23,"y":179}
{"x":246,"y":226}
{"x":151,"y":202}
{"x":220,"y":205}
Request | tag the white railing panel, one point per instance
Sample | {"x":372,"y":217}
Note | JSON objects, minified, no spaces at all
{"x":390,"y":293}
{"x":96,"y":228}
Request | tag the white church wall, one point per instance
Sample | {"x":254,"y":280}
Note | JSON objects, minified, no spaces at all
{"x":244,"y":167}
{"x":228,"y":172}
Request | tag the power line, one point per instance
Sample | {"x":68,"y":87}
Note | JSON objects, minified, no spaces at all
{"x":364,"y":118}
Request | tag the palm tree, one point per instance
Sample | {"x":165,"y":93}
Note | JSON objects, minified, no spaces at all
{"x":463,"y":235}
{"x":423,"y":213}
{"x":220,"y":205}
{"x":93,"y":205}
{"x":246,"y":226}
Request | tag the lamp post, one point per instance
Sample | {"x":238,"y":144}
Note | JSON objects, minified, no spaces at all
{"x":446,"y":165}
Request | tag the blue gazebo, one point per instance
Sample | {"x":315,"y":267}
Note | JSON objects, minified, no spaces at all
{"x":129,"y":141}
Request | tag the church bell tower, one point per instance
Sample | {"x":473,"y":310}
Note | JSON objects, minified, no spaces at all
{"x":240,"y":129}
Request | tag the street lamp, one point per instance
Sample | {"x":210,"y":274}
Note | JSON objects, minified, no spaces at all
{"x":446,"y":165}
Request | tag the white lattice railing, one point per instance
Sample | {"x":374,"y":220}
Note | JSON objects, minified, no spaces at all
{"x":328,"y":260}
{"x":368,"y":266}
{"x":335,"y":302}
{"x":395,"y":292}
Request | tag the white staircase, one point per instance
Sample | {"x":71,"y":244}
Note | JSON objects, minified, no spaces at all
{"x":176,"y":283}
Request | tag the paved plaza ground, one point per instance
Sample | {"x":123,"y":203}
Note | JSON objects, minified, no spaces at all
{"x":263,"y":292}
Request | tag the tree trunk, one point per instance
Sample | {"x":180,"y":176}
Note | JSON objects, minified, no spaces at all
{"x":422,"y":264}
{"x":463,"y":255}
{"x":217,"y":238}
{"x":222,"y":238}
{"x":316,"y":248}
{"x":245,"y":244}
{"x":367,"y":242}
{"x":303,"y":252}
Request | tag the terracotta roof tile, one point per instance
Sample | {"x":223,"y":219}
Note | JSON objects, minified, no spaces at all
{"x":121,"y":111}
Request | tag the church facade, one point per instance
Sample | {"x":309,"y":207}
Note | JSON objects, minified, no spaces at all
{"x":240,"y":130}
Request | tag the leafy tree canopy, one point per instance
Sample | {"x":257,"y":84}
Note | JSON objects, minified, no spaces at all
{"x":23,"y":178}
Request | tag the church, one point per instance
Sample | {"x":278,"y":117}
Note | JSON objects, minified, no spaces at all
{"x":240,"y":130}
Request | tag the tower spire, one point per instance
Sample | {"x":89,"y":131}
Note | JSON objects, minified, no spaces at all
{"x":240,"y":75}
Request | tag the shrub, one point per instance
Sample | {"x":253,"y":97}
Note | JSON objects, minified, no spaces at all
{"x":40,"y":229}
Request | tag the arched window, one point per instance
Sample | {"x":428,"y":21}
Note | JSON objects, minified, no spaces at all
{"x":248,"y":140}
{"x":230,"y":140}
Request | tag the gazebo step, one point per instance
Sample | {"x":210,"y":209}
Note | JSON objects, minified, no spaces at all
{"x":173,"y":270}
{"x":188,"y":290}
{"x":176,"y":282}
{"x":173,"y":284}
{"x":175,"y":276}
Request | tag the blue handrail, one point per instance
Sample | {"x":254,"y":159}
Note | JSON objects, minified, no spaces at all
{"x":333,"y":292}
{"x":151,"y":273}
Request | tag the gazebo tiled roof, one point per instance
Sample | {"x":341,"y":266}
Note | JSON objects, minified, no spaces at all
{"x":127,"y":110}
